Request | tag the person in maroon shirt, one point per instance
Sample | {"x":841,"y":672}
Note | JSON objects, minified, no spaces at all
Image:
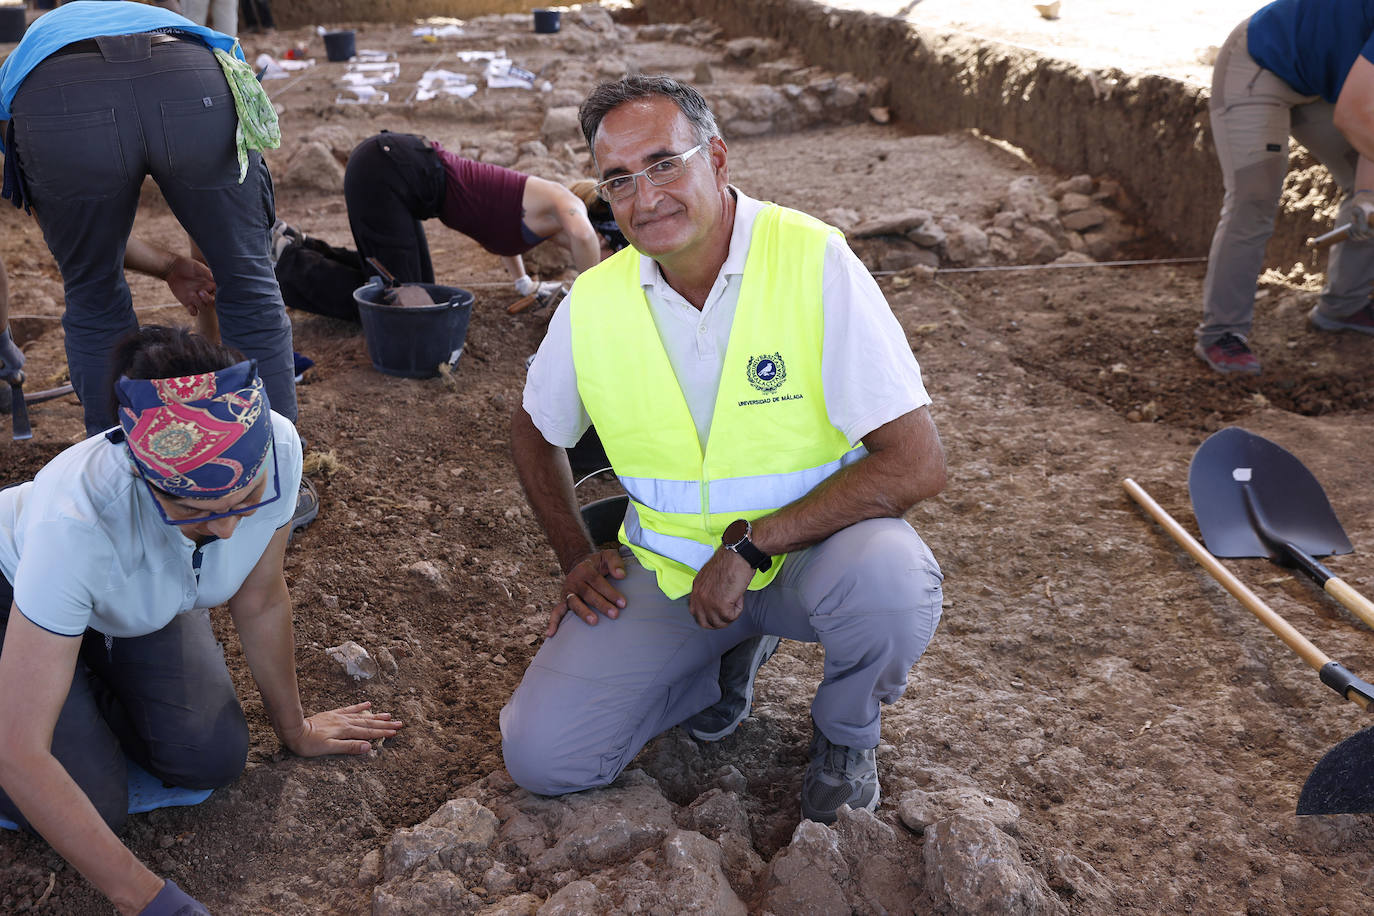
{"x":394,"y":182}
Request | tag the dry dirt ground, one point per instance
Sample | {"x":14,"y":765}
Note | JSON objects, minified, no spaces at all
{"x":1153,"y":735}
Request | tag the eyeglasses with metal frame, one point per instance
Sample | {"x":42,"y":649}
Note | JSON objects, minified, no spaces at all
{"x":210,"y":517}
{"x":664,"y":171}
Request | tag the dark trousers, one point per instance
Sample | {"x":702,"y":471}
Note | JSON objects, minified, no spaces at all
{"x":88,"y":127}
{"x":317,"y":277}
{"x":393,"y":183}
{"x":256,"y":14}
{"x":165,"y":700}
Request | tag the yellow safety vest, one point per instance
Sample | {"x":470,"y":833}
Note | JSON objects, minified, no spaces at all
{"x":771,"y":441}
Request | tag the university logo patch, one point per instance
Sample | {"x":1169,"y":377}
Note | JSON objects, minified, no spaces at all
{"x":767,"y":372}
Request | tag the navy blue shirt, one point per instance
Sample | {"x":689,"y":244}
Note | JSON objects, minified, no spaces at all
{"x":1311,"y":44}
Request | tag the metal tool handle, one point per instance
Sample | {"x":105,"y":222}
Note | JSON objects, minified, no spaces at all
{"x":1327,"y":239}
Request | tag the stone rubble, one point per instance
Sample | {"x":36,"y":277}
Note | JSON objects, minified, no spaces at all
{"x":629,"y":848}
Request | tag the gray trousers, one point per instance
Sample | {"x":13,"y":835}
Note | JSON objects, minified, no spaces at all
{"x":1253,"y":112}
{"x":594,"y":695}
{"x":165,"y":700}
{"x":88,"y":127}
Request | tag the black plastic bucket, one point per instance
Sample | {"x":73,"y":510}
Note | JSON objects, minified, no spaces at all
{"x":13,"y":22}
{"x":603,"y":518}
{"x":546,"y":22}
{"x":413,"y":341}
{"x":340,"y":45}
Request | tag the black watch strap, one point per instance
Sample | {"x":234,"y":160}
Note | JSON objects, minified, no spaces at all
{"x":746,"y":548}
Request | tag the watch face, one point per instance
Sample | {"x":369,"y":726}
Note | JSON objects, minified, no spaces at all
{"x":735,"y":532}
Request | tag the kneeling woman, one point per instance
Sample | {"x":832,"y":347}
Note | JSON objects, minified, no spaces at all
{"x":113,"y":551}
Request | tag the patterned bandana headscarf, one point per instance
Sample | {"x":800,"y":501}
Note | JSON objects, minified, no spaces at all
{"x":197,"y":436}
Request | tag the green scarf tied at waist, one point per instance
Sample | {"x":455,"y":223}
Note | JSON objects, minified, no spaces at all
{"x":258,"y":128}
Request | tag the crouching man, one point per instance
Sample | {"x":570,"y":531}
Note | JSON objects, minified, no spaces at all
{"x":763,"y":411}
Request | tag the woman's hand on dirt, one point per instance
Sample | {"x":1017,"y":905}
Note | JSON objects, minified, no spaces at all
{"x":346,"y":730}
{"x":192,"y":283}
{"x":587,"y":589}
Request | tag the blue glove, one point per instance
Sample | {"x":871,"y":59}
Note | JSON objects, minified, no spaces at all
{"x":11,"y":358}
{"x":173,"y":901}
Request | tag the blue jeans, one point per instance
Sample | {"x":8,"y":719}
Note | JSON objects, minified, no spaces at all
{"x":89,"y":126}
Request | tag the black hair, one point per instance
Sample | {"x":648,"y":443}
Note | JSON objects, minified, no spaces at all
{"x":608,"y":96}
{"x":158,"y":351}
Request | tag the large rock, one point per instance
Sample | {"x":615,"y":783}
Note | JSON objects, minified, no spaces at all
{"x":561,"y":126}
{"x":899,"y":223}
{"x":1029,"y":196}
{"x":457,"y":830}
{"x":971,"y":867}
{"x":860,"y":865}
{"x":314,"y":167}
{"x":919,"y":809}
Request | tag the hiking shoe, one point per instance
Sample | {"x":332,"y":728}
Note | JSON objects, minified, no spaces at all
{"x":1230,"y":354}
{"x":838,"y":776}
{"x":307,"y":507}
{"x":282,"y":237}
{"x":737,"y":670}
{"x":1362,"y":321}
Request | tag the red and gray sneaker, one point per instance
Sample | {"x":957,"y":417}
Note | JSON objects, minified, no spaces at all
{"x":1362,"y":321}
{"x":1230,"y":354}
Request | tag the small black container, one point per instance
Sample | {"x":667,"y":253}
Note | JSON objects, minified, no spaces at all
{"x":546,"y":22}
{"x":12,"y":23}
{"x":340,"y":46}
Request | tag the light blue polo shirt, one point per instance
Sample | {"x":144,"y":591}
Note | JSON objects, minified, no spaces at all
{"x":91,"y":19}
{"x":84,"y":545}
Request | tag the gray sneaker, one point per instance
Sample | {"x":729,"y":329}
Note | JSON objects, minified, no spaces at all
{"x":838,"y":776}
{"x":307,"y":507}
{"x":738,"y":667}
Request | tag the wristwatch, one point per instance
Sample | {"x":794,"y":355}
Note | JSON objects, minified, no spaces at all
{"x":736,"y":537}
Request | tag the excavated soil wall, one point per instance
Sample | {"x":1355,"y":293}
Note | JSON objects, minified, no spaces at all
{"x":1150,"y":133}
{"x":328,"y":12}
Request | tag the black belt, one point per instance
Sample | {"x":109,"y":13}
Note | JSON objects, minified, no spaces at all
{"x":91,"y":46}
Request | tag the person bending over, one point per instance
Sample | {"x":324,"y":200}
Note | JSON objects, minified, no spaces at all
{"x":1305,"y":68}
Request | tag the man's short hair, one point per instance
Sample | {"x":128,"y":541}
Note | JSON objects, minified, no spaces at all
{"x":608,"y":96}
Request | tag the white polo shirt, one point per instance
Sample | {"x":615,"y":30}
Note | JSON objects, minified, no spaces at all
{"x":868,"y":372}
{"x":84,"y":545}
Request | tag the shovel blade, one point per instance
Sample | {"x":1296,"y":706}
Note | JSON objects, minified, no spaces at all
{"x":1343,"y":781}
{"x":1292,"y":501}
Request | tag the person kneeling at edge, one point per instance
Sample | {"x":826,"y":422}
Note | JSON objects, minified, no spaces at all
{"x":766,"y":495}
{"x":111,"y":555}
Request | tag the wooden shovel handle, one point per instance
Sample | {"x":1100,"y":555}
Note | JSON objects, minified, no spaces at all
{"x":1295,"y":640}
{"x":1354,"y":602}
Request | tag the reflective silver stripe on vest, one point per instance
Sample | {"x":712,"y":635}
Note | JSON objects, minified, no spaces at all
{"x":684,"y":550}
{"x":765,"y":492}
{"x":664,"y":495}
{"x":757,"y":493}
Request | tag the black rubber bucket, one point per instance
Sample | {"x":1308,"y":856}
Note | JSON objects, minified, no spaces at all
{"x":546,"y":22}
{"x":341,"y":45}
{"x":13,"y":21}
{"x":603,"y":518}
{"x":413,"y":341}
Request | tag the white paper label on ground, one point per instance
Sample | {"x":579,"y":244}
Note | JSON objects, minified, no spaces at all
{"x":1240,"y":475}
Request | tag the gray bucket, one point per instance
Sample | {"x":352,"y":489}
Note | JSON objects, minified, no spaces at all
{"x":414,"y":341}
